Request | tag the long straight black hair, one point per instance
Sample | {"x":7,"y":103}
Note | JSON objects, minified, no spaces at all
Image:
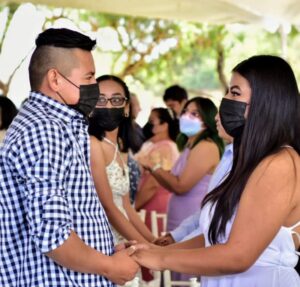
{"x":272,"y":121}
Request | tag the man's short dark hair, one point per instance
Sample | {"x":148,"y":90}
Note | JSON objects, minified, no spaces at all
{"x":64,"y":38}
{"x":175,"y":93}
{"x":54,"y":50}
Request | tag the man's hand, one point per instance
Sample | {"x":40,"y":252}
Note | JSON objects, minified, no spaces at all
{"x":122,"y":268}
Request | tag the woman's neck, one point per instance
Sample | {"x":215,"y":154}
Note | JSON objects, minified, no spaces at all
{"x":191,"y":140}
{"x":160,"y":137}
{"x":112,"y":135}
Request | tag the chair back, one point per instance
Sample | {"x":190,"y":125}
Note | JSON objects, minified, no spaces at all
{"x":155,"y":218}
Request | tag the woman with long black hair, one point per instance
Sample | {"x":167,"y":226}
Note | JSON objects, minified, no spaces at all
{"x":251,"y":222}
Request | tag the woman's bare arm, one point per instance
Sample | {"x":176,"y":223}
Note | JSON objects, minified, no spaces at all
{"x":136,"y":220}
{"x":265,"y":205}
{"x":115,"y":216}
{"x":202,"y":160}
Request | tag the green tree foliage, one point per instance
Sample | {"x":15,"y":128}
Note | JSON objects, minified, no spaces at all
{"x":158,"y":53}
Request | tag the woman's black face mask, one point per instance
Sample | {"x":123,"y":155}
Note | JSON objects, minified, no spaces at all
{"x":147,"y":130}
{"x":232,"y":114}
{"x":107,"y":119}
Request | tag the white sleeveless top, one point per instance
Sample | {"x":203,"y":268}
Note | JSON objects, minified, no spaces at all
{"x":118,"y":178}
{"x":274,"y":267}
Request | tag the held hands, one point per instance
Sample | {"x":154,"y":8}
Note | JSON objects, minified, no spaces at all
{"x":123,"y":268}
{"x":164,"y":240}
{"x":124,"y":245}
{"x":148,"y":255}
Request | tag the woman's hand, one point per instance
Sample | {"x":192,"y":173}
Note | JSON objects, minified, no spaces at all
{"x":164,"y":240}
{"x":150,"y":258}
{"x":144,"y":246}
{"x":124,"y":245}
{"x":145,"y":162}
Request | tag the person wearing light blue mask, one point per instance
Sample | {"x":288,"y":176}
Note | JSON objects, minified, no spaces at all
{"x":190,"y":125}
{"x":201,"y":149}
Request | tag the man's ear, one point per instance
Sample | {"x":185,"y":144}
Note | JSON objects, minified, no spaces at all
{"x":53,"y":80}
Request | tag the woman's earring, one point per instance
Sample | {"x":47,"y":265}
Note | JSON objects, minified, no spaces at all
{"x":126,"y":114}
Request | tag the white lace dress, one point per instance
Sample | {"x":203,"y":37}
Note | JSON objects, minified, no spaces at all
{"x":274,"y":268}
{"x":118,"y":178}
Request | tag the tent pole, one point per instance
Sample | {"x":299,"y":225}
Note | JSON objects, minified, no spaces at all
{"x":283,"y":40}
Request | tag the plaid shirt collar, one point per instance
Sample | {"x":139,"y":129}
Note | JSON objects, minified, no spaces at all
{"x":55,"y":108}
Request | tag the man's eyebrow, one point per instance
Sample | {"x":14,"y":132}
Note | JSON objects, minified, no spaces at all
{"x":91,"y":73}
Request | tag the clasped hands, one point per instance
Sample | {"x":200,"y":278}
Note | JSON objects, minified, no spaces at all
{"x":144,"y":254}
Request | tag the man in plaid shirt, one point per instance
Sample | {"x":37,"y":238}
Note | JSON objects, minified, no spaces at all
{"x":53,"y":229}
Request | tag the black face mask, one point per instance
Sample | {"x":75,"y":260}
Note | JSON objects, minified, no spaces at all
{"x":147,"y":130}
{"x":88,"y":97}
{"x":107,"y":119}
{"x":232,"y":114}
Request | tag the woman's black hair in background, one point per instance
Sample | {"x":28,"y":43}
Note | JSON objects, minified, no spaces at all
{"x":126,"y":133}
{"x":164,"y":116}
{"x":8,"y":112}
{"x":272,"y":121}
{"x":207,"y":110}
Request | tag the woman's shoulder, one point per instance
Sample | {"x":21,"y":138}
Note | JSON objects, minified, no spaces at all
{"x":205,"y":145}
{"x":283,"y":165}
{"x":286,"y":157}
{"x":95,"y":142}
{"x":164,"y":144}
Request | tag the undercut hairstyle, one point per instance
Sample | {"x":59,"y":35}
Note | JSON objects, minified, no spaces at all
{"x":272,"y":122}
{"x":55,"y":49}
{"x":175,"y":93}
{"x":207,"y":110}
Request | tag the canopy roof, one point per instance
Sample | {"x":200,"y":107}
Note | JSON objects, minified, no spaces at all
{"x":266,"y":12}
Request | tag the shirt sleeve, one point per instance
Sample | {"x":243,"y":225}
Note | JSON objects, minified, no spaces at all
{"x":187,"y":226}
{"x":164,"y":154}
{"x":44,"y":157}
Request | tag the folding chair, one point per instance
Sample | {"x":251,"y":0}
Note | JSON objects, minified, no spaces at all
{"x":193,"y":282}
{"x":155,"y":217}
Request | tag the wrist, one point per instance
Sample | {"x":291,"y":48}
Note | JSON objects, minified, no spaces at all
{"x":155,"y":167}
{"x":108,"y":267}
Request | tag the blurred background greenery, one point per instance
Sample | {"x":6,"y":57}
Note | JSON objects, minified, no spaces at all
{"x":149,"y":54}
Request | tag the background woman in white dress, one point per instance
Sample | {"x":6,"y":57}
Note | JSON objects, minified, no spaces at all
{"x":109,"y":165}
{"x":251,"y":222}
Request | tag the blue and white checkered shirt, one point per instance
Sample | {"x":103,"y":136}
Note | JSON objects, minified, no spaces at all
{"x":46,"y":191}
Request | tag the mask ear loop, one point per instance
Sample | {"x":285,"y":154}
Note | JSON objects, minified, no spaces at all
{"x":61,"y":97}
{"x":68,"y":80}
